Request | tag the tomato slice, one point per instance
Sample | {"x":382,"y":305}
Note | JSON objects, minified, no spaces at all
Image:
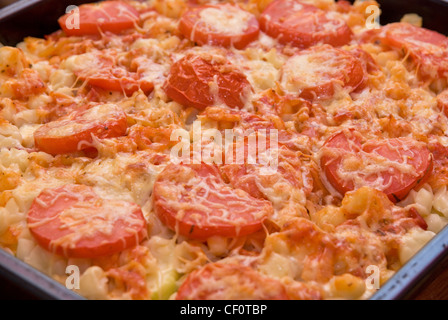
{"x":369,"y":64}
{"x":393,"y":166}
{"x":76,"y":131}
{"x":101,"y":70}
{"x":259,"y":181}
{"x":317,"y":72}
{"x":73,"y":221}
{"x":442,"y":102}
{"x":303,"y":25}
{"x":222,"y":281}
{"x":28,"y":84}
{"x":269,"y":170}
{"x":428,"y":48}
{"x":201,"y":81}
{"x":194,"y":201}
{"x":222,"y":25}
{"x":113,"y":16}
{"x":439,"y":177}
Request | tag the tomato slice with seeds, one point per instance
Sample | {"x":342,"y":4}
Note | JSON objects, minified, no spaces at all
{"x":317,"y":72}
{"x":393,"y":166}
{"x":74,"y":221}
{"x":101,"y":70}
{"x":113,"y":16}
{"x":222,"y":281}
{"x":194,"y":201}
{"x":222,"y":25}
{"x":303,"y":25}
{"x":428,"y":48}
{"x":202,"y":81}
{"x":76,"y":131}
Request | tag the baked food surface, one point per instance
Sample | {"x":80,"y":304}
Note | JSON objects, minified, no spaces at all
{"x":353,"y":121}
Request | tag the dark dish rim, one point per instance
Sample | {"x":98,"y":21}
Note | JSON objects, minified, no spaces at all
{"x":403,"y":285}
{"x":413,"y":275}
{"x":15,"y":8}
{"x":33,"y":281}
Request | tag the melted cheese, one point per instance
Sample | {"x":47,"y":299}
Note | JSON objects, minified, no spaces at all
{"x":76,"y":124}
{"x":88,"y":221}
{"x":310,"y":70}
{"x":206,"y":201}
{"x":306,"y":222}
{"x":228,"y":20}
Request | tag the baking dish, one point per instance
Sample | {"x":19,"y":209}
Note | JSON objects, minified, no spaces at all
{"x":22,"y":19}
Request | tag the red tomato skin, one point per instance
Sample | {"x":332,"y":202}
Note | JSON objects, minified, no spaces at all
{"x":355,"y":78}
{"x":418,"y":42}
{"x":55,"y":145}
{"x":236,"y":174}
{"x":329,"y":166}
{"x":395,"y":191}
{"x":86,"y":248}
{"x":301,"y":28}
{"x":203,"y":231}
{"x":28,"y":84}
{"x":128,"y":85}
{"x":89,"y":15}
{"x":418,"y":219}
{"x":400,"y":34}
{"x":369,"y":66}
{"x":189,"y":83}
{"x":191,"y":30}
{"x":109,"y":76}
{"x":350,"y":73}
{"x":268,"y":289}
